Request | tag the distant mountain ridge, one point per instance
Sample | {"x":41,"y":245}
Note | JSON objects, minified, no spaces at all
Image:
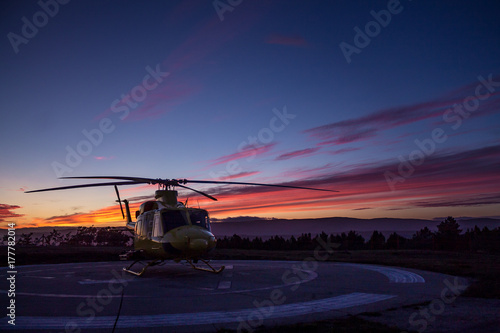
{"x":248,"y":226}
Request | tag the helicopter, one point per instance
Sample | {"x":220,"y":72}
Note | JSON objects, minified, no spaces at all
{"x":165,"y":228}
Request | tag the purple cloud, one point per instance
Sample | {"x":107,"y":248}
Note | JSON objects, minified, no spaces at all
{"x":479,"y":200}
{"x":368,"y":126}
{"x":297,"y":153}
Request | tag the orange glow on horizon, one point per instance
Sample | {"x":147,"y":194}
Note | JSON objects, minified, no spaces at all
{"x":370,"y":198}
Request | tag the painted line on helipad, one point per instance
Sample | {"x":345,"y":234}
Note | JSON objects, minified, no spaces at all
{"x":393,"y":274}
{"x":200,"y":318}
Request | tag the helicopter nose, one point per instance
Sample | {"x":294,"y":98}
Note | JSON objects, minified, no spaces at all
{"x":198,"y":245}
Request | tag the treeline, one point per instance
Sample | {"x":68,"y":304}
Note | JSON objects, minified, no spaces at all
{"x":448,"y":237}
{"x":84,"y":236}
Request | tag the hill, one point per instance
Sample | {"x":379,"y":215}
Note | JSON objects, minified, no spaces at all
{"x":253,"y":227}
{"x":247,"y":226}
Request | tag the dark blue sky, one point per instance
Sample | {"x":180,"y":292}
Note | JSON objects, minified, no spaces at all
{"x":254,"y":91}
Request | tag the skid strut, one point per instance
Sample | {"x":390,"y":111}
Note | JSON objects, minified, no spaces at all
{"x":211,"y":270}
{"x":151,"y":263}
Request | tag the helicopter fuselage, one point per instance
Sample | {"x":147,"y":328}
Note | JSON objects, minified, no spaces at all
{"x":176,"y":233}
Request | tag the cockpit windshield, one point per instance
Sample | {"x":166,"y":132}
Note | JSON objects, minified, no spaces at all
{"x":176,"y":218}
{"x":173,"y":218}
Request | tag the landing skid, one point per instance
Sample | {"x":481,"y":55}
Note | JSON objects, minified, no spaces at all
{"x":211,"y":270}
{"x":151,"y":263}
{"x":158,"y":262}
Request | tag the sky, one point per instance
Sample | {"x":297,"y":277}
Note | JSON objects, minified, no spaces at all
{"x":394,"y":104}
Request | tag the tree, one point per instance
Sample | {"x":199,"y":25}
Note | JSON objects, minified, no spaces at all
{"x":41,"y":241}
{"x":25,"y":239}
{"x":448,"y":234}
{"x":111,"y":236}
{"x":353,"y":241}
{"x":305,"y":242}
{"x":395,"y":241}
{"x":84,"y":236}
{"x":377,"y":241}
{"x":55,"y":237}
{"x":423,"y":239}
{"x":66,"y":239}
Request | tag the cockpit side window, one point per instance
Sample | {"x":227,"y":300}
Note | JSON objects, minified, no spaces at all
{"x":200,"y":218}
{"x":138,"y":227}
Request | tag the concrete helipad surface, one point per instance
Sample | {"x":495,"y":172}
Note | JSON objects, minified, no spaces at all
{"x":86,"y":297}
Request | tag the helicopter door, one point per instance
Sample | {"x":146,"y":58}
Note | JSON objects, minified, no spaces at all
{"x":157,"y":226}
{"x":140,"y":228}
{"x":148,"y":224}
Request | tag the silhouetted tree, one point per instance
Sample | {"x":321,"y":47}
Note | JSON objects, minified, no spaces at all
{"x":66,"y":239}
{"x":423,"y":239}
{"x":84,"y":236}
{"x":354,"y":241}
{"x":111,"y":236}
{"x":475,"y":239}
{"x":377,"y":241}
{"x":25,"y":239}
{"x":305,"y":242}
{"x":482,"y":240}
{"x":44,"y":240}
{"x":448,"y":234}
{"x":395,"y":241}
{"x":257,"y":243}
{"x":293,"y":243}
{"x":55,"y":237}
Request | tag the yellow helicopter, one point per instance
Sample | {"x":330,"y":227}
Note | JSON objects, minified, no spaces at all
{"x":166,"y":229}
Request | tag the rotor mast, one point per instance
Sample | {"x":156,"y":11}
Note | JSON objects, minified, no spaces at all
{"x":166,"y":197}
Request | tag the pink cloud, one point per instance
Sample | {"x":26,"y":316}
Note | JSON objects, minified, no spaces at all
{"x":247,"y":152}
{"x":104,"y":158}
{"x":241,"y":175}
{"x":465,"y":178}
{"x":7,"y":213}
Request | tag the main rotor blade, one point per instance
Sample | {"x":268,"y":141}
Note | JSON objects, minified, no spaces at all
{"x":134,"y":179}
{"x":177,"y":182}
{"x":152,"y":181}
{"x":192,"y":189}
{"x":119,"y":200}
{"x":257,"y":184}
{"x":84,"y":185}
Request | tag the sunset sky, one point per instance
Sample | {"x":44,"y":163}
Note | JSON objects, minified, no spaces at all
{"x":395,"y":104}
